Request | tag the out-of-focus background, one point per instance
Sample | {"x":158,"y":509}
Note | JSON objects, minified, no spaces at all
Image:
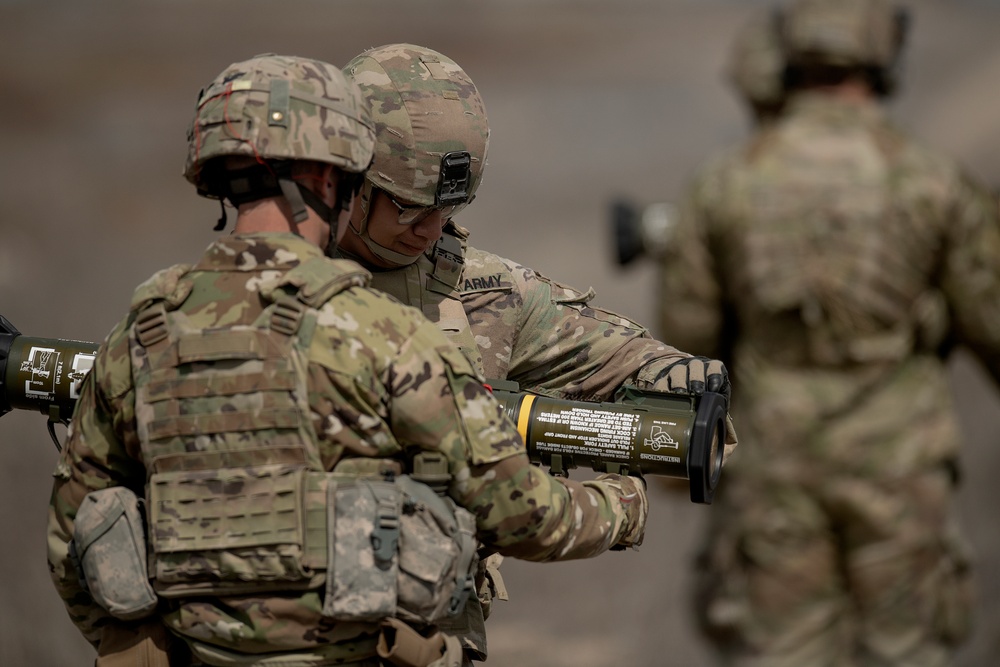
{"x":587,"y":100}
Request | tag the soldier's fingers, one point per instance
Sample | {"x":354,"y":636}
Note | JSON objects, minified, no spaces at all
{"x":716,"y":376}
{"x":677,"y":378}
{"x":696,"y":376}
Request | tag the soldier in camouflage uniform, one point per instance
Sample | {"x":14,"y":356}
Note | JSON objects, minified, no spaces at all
{"x":271,"y":410}
{"x":512,"y":322}
{"x":833,"y":262}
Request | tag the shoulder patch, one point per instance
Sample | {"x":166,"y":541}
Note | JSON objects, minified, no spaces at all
{"x":484,"y":272}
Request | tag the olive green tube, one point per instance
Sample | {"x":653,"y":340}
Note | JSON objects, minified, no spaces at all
{"x":645,"y":433}
{"x":42,"y":374}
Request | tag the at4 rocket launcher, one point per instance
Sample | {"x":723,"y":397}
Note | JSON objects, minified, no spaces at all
{"x":42,"y":374}
{"x":642,"y":433}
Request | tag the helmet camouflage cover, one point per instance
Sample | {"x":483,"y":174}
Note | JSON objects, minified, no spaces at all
{"x":843,"y":33}
{"x":279,"y":107}
{"x":756,"y":63}
{"x":424,"y":106}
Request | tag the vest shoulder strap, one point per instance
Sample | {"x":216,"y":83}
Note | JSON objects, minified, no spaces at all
{"x":449,"y":260}
{"x":166,"y":285}
{"x":317,"y":280}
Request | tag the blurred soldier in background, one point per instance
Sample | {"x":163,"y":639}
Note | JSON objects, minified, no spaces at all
{"x":278,"y":419}
{"x":834,"y":262}
{"x":510,"y":321}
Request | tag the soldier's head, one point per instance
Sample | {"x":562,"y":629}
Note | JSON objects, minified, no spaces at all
{"x":285,"y":127}
{"x":828,"y":41}
{"x":431,"y":138}
{"x":756,"y":66}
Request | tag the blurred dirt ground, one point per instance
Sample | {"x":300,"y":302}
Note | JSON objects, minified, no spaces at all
{"x":587,"y":100}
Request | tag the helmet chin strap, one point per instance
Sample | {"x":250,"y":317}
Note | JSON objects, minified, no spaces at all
{"x":299,"y":197}
{"x":275,"y":180}
{"x":395,"y":258}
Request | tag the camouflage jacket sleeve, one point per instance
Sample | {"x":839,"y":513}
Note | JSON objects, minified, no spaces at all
{"x":690,"y":301}
{"x":520,"y":509}
{"x":101,"y":451}
{"x":428,"y":397}
{"x":567,"y":348}
{"x":970,"y":277}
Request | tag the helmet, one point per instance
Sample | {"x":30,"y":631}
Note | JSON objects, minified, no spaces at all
{"x":430,"y":126}
{"x":843,"y":33}
{"x":276,"y":109}
{"x":756,"y":64}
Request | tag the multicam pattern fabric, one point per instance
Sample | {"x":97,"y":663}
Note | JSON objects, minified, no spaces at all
{"x":509,"y":321}
{"x":514,"y":323}
{"x":281,"y":107}
{"x":833,"y":262}
{"x":842,"y":32}
{"x":382,"y":383}
{"x":424,"y":105}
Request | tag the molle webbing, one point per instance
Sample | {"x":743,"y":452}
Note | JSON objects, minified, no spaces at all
{"x":225,"y":396}
{"x":211,"y":389}
{"x":238,"y":531}
{"x":383,"y":547}
{"x":235,"y":508}
{"x":224,"y":424}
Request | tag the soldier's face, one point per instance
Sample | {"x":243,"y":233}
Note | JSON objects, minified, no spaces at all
{"x":385,"y":229}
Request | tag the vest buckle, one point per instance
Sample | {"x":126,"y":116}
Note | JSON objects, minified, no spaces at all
{"x":151,"y":325}
{"x":287,"y":315}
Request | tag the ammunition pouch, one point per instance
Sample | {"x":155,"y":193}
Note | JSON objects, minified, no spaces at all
{"x":381,"y":548}
{"x":109,"y":538}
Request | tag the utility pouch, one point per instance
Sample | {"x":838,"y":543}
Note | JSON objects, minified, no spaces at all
{"x":438,"y":557}
{"x":396,"y":548}
{"x":110,"y":539}
{"x":363,"y":539}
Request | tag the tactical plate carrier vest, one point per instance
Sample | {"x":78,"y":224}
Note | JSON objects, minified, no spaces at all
{"x":238,"y":501}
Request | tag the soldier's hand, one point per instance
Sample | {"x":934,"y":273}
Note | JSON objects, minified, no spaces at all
{"x":634,"y":505}
{"x":694,"y":375}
